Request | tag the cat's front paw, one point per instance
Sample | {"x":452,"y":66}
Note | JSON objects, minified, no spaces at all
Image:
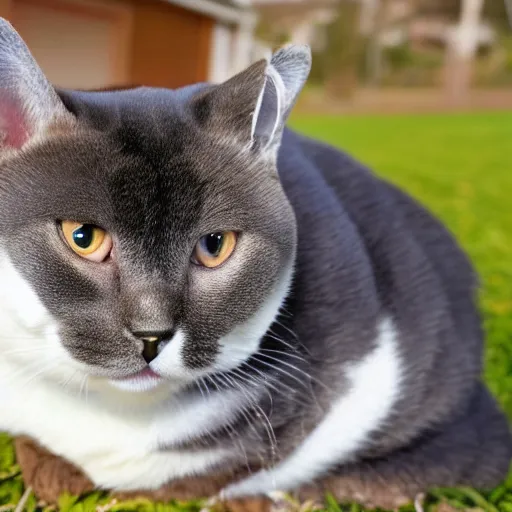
{"x":47,"y":474}
{"x":262,"y":483}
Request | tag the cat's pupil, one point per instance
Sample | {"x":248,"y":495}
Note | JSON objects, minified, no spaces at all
{"x":213,"y":243}
{"x":83,"y":236}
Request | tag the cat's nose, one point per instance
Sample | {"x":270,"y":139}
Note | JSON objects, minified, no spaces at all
{"x":151,"y":341}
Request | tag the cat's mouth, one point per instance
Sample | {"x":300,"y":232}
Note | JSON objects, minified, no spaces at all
{"x":144,"y":380}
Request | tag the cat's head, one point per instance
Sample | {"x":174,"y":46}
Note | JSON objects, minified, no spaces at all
{"x":143,"y":225}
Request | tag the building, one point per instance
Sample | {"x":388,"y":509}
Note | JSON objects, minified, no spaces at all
{"x":91,"y":44}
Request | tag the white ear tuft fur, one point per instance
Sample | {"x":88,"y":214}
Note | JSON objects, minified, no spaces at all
{"x":285,"y":76}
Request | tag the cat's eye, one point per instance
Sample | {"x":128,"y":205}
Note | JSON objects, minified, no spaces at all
{"x":87,"y":240}
{"x":214,"y":249}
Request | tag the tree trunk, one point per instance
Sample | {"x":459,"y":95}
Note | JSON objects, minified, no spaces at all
{"x":373,"y":22}
{"x":461,"y":51}
{"x":343,"y":51}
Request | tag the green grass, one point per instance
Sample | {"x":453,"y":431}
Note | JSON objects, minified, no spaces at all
{"x":460,"y":166}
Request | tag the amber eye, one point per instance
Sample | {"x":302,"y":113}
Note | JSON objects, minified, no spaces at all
{"x":214,"y":249}
{"x":87,"y":240}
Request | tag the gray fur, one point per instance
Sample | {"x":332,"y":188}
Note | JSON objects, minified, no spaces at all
{"x":158,"y":169}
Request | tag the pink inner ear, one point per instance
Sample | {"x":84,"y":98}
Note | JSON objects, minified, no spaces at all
{"x":14,"y":129}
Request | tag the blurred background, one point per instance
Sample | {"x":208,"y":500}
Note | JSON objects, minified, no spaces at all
{"x":369,"y":55}
{"x":420,"y":90}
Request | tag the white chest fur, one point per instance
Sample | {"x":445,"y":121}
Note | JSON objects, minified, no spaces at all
{"x":116,"y":449}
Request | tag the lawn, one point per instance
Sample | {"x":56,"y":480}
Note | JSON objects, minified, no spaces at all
{"x":459,"y":166}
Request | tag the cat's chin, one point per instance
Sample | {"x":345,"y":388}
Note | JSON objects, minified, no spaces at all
{"x":140,"y":382}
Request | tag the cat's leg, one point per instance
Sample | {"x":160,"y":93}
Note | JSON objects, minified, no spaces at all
{"x":50,"y":476}
{"x":47,"y":474}
{"x":474,"y":450}
{"x":189,"y":488}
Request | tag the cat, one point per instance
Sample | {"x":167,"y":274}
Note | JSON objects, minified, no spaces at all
{"x":189,"y":287}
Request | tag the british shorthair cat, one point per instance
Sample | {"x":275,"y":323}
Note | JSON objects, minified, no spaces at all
{"x":189,"y":288}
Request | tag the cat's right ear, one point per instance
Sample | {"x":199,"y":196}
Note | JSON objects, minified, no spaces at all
{"x":29,"y":106}
{"x":251,"y":108}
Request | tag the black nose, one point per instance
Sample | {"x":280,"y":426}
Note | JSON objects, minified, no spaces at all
{"x":151,"y":341}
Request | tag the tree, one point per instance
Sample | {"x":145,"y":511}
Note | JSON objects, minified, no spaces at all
{"x":461,"y":50}
{"x":343,"y":50}
{"x":372,"y":24}
{"x":496,"y":11}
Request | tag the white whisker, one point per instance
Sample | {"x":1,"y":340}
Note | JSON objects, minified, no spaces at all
{"x":34,"y":376}
{"x":302,"y":372}
{"x":256,"y":382}
{"x":260,"y":414}
{"x":200,"y":383}
{"x":231,"y":432}
{"x":299,"y":358}
{"x":82,"y":386}
{"x":286,"y":329}
{"x":65,"y":382}
{"x":242,"y":409}
{"x":273,"y":382}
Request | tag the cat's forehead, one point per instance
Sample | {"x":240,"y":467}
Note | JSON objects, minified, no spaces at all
{"x":160,"y":126}
{"x":135,"y":118}
{"x":146,"y":104}
{"x":139,"y":159}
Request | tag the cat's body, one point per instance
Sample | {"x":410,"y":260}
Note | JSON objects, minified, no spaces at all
{"x":340,"y":337}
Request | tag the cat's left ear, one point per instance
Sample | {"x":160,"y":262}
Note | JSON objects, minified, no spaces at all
{"x":251,"y":108}
{"x":29,"y":105}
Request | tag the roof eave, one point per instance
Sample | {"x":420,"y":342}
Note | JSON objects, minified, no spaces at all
{"x":218,"y":11}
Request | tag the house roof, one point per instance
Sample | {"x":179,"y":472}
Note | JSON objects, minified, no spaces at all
{"x":294,"y":3}
{"x":228,"y":11}
{"x":233,"y":3}
{"x":295,"y":7}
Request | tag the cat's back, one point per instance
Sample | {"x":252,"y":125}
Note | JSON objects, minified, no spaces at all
{"x":382,"y":211}
{"x":374,"y":204}
{"x":378,"y":207}
{"x":422,"y":278}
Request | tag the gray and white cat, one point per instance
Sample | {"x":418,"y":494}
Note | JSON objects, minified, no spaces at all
{"x":187,"y":286}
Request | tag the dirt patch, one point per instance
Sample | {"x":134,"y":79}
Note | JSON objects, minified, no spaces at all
{"x":396,"y":101}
